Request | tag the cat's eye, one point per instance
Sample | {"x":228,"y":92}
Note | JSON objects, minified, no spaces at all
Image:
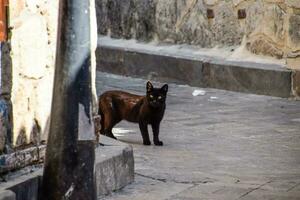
{"x":151,"y":96}
{"x":159,"y":97}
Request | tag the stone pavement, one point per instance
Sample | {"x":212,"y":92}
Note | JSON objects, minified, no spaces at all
{"x":221,"y":145}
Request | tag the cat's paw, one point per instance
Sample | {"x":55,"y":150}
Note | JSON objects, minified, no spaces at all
{"x":147,"y":143}
{"x":159,"y":143}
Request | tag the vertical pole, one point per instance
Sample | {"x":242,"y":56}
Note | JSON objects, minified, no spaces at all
{"x":69,"y":164}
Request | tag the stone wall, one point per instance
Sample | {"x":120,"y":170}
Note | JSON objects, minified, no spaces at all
{"x":33,"y":26}
{"x":5,"y":95}
{"x":267,"y":27}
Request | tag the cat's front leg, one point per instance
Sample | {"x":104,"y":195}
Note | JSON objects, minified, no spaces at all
{"x":144,"y":131}
{"x":155,"y":129}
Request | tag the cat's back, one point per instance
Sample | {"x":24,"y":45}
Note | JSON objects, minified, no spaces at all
{"x":123,"y":104}
{"x":119,"y":95}
{"x":121,"y":100}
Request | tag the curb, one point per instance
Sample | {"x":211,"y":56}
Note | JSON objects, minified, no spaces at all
{"x":165,"y":65}
{"x":114,"y":169}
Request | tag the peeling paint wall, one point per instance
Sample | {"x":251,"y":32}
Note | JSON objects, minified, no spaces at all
{"x":33,"y":44}
{"x":270,"y":27}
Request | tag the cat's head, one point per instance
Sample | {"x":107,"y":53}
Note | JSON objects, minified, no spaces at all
{"x":156,"y":96}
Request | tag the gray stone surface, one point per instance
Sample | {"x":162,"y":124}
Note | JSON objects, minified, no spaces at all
{"x":4,"y":125}
{"x":114,"y":169}
{"x":222,"y":145}
{"x":294,"y":33}
{"x":22,"y":158}
{"x":27,"y":190}
{"x":7,"y":195}
{"x":114,"y":166}
{"x":179,"y":66}
{"x":24,"y":184}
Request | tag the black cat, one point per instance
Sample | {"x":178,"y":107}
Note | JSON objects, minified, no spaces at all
{"x":115,"y":106}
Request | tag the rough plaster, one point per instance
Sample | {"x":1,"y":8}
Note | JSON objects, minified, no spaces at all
{"x":33,"y":45}
{"x":271,"y":27}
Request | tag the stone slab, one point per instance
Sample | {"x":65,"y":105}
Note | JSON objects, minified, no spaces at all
{"x":23,"y":187}
{"x":165,"y":64}
{"x":114,"y":166}
{"x":7,"y":195}
{"x":296,"y":83}
{"x":22,"y":158}
{"x":114,"y":169}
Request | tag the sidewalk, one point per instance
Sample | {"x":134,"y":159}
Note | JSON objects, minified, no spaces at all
{"x":183,"y":64}
{"x":221,"y":145}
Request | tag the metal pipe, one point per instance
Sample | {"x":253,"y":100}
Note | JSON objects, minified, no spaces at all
{"x":69,"y":164}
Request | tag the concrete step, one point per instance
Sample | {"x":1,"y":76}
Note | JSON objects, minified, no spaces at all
{"x":114,"y":169}
{"x":164,"y":63}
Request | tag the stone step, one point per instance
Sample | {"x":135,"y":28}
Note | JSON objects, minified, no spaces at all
{"x":167,"y":64}
{"x":114,"y":169}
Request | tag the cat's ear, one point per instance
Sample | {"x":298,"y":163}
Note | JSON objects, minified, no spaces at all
{"x":165,"y":88}
{"x":149,"y":86}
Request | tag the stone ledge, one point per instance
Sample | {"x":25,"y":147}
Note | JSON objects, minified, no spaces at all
{"x":114,"y":169}
{"x":114,"y":166}
{"x":22,"y":158}
{"x":296,"y":83}
{"x":166,"y":64}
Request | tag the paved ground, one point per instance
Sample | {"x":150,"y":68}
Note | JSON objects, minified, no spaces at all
{"x":221,"y":145}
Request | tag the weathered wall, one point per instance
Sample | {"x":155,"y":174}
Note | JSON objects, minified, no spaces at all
{"x":271,"y":27}
{"x":33,"y":38}
{"x":5,"y":95}
{"x":33,"y":43}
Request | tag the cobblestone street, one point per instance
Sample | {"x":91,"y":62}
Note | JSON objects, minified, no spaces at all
{"x":218,"y":145}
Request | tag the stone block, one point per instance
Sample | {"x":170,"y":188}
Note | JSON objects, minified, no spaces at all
{"x":176,"y":67}
{"x":145,"y":24}
{"x":255,"y":11}
{"x":293,"y":61}
{"x":226,"y":29}
{"x":114,"y":169}
{"x":115,"y":18}
{"x":7,"y":195}
{"x":128,"y":20}
{"x":294,"y":31}
{"x":4,"y":125}
{"x":296,"y":83}
{"x":22,"y":158}
{"x":114,"y":166}
{"x":192,"y":26}
{"x":27,"y":189}
{"x":166,"y":19}
{"x":102,"y":16}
